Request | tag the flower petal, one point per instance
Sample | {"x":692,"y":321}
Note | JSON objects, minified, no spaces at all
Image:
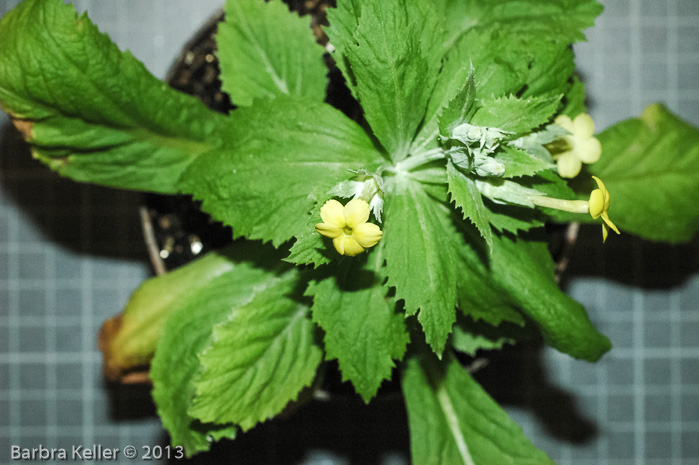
{"x":588,"y":150}
{"x":339,"y":243}
{"x":356,"y":212}
{"x":333,"y":213}
{"x":601,"y":185}
{"x":565,"y":122}
{"x":345,"y":245}
{"x":367,"y":234}
{"x":583,"y":126}
{"x":568,"y":165}
{"x":596,"y":203}
{"x":608,"y":222}
{"x":328,"y":230}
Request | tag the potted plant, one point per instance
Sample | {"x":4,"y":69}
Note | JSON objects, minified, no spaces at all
{"x":392,"y":243}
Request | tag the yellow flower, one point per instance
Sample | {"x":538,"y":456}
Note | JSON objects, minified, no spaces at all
{"x":578,"y":147}
{"x":599,"y":206}
{"x":347,"y":226}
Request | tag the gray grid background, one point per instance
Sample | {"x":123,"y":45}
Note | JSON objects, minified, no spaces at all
{"x":70,"y":255}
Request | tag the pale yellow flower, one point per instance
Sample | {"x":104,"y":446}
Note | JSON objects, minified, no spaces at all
{"x":347,"y":226}
{"x":578,"y":147}
{"x":599,"y":206}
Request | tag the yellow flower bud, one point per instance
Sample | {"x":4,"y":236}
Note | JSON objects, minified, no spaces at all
{"x":599,"y":207}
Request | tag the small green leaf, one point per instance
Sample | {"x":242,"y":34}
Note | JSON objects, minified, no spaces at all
{"x":289,"y":152}
{"x":453,"y":421}
{"x":515,"y":115}
{"x":466,"y":196}
{"x":310,"y":249}
{"x":265,"y":51}
{"x":470,"y":337}
{"x":188,"y":331}
{"x":419,"y":240}
{"x":520,"y":163}
{"x":259,"y":359}
{"x":460,"y":108}
{"x":92,"y":112}
{"x":350,"y":304}
{"x":649,"y":166}
{"x":513,"y":218}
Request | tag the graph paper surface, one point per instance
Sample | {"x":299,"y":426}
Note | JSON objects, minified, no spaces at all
{"x":70,"y":255}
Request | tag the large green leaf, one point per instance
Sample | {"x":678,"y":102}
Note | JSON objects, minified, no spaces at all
{"x":551,"y":67}
{"x":92,"y":112}
{"x":259,"y":359}
{"x":394,"y":71}
{"x":265,"y":51}
{"x":560,"y":20}
{"x":188,"y":331}
{"x":525,"y":270}
{"x":343,"y":22}
{"x":289,"y":154}
{"x":141,"y":323}
{"x":351,"y":305}
{"x":453,"y":421}
{"x":420,"y":244}
{"x":649,"y":165}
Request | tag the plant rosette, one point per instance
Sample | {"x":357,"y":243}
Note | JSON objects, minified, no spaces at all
{"x":387,"y":244}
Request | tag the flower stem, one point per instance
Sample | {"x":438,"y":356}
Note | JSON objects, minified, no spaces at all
{"x":416,"y":161}
{"x":573,"y":206}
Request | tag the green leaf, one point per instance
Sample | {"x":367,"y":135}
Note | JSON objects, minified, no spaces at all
{"x":141,"y":323}
{"x":289,"y":153}
{"x":513,"y":218}
{"x":515,"y":115}
{"x":394,"y":78}
{"x":575,"y":99}
{"x":259,"y":359}
{"x":520,"y":163}
{"x":525,"y":270}
{"x":350,"y":304}
{"x":499,"y":69}
{"x":460,"y":108}
{"x":266,"y":51}
{"x":92,"y":112}
{"x":559,"y":20}
{"x":649,"y":165}
{"x":470,"y":337}
{"x":310,"y":248}
{"x":195,"y":311}
{"x":343,"y":21}
{"x":550,"y":69}
{"x":466,"y":196}
{"x":454,"y":421}
{"x":419,"y":246}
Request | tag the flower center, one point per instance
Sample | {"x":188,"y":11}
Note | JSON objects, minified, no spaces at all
{"x":347,"y":230}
